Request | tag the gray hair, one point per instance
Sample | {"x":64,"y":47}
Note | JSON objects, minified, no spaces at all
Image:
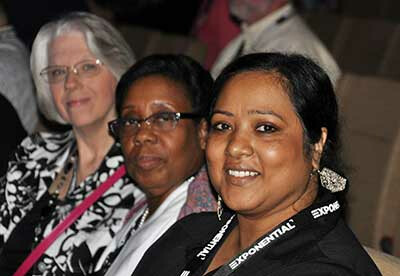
{"x":102,"y":39}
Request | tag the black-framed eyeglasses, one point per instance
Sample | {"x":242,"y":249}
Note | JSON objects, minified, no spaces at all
{"x":162,"y":121}
{"x":85,"y":68}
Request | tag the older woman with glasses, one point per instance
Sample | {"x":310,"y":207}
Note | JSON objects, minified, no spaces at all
{"x":55,"y":179}
{"x":161,"y":103}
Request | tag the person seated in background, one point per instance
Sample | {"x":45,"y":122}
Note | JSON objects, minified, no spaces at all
{"x":161,"y":103}
{"x":76,"y":63}
{"x":272,"y":156}
{"x":270,"y":26}
{"x":214,"y":27}
{"x":17,"y":95}
{"x":16,"y":83}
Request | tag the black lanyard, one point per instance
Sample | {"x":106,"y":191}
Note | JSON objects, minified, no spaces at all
{"x":299,"y":221}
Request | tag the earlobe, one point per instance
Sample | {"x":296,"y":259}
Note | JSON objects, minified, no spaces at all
{"x":318,"y":148}
{"x":202,"y":133}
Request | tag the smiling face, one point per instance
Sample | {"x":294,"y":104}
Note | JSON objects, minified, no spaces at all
{"x":159,"y":161}
{"x":81,"y":101}
{"x":255,"y":151}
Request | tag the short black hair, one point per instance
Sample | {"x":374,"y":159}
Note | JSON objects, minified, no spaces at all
{"x":180,"y":68}
{"x":310,"y":91}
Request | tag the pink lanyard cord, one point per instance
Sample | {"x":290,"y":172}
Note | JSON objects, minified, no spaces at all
{"x":62,"y":226}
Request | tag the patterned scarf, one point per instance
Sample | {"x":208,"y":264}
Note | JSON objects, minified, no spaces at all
{"x":200,"y":196}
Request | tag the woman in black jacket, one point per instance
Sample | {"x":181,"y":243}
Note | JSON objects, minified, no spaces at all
{"x":273,"y":158}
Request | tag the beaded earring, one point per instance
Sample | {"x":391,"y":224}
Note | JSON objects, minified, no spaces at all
{"x":332,"y":180}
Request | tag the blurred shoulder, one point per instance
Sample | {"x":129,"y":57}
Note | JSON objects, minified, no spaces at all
{"x":42,"y":138}
{"x":319,"y":268}
{"x":46,"y":141}
{"x":342,"y":247}
{"x":40,"y":151}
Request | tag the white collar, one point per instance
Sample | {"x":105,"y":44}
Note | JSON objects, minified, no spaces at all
{"x":256,"y":28}
{"x":171,"y":199}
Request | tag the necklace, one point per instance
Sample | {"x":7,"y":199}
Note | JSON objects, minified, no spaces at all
{"x":67,"y":174}
{"x":143,"y":217}
{"x":111,"y":257}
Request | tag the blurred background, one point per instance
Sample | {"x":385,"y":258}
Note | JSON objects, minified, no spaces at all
{"x":362,"y":35}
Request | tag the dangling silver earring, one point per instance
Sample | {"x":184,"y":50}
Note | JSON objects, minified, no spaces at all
{"x":332,"y":180}
{"x":219,"y":208}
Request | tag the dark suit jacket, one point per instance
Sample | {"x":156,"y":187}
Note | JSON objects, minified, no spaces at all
{"x":325,"y":247}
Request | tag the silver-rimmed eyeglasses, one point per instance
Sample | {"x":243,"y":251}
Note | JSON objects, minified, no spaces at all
{"x":85,"y":68}
{"x":162,"y":121}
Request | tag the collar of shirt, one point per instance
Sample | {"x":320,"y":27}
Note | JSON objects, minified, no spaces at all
{"x":251,"y":32}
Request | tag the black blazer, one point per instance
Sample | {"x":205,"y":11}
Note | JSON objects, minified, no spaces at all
{"x":326,"y":247}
